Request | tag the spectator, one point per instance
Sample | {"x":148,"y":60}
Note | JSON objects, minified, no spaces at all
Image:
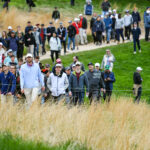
{"x":71,"y":35}
{"x":10,"y":29}
{"x":50,"y":30}
{"x":6,"y":4}
{"x":30,"y":76}
{"x":58,"y":83}
{"x":128,"y":20}
{"x":109,"y":79}
{"x":75,"y":60}
{"x":20,"y":45}
{"x":105,"y":7}
{"x":7,"y":60}
{"x":119,"y":28}
{"x":13,"y":60}
{"x":114,"y":14}
{"x":62,"y":34}
{"x":108,"y":60}
{"x":99,"y":28}
{"x":28,"y":27}
{"x":77,"y":82}
{"x":30,"y":42}
{"x":136,"y":16}
{"x":4,"y":40}
{"x":55,"y":46}
{"x":2,"y":54}
{"x":8,"y":85}
{"x":58,"y":61}
{"x":88,"y":9}
{"x":113,"y":33}
{"x":92,"y":27}
{"x":147,"y":24}
{"x":72,"y":2}
{"x":77,"y":37}
{"x":136,"y":32}
{"x":82,"y":29}
{"x":97,"y":66}
{"x":37,"y":60}
{"x":13,"y":43}
{"x":37,"y":37}
{"x":108,"y":27}
{"x":137,"y":87}
{"x":56,"y":15}
{"x":31,"y":4}
{"x":43,"y":38}
{"x":38,"y":27}
{"x":96,"y":83}
{"x":19,"y":30}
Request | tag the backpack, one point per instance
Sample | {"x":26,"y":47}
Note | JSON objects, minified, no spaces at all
{"x":148,"y":19}
{"x":88,"y":10}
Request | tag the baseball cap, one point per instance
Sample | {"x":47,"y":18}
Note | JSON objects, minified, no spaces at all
{"x":76,"y":19}
{"x":127,"y":11}
{"x":78,"y":63}
{"x":6,"y":64}
{"x":58,"y":60}
{"x":50,"y":22}
{"x":9,"y":27}
{"x":139,"y":69}
{"x":80,"y":15}
{"x":13,"y":32}
{"x":67,"y":68}
{"x":114,"y":10}
{"x":61,"y":23}
{"x":73,"y":65}
{"x":9,"y":51}
{"x":107,"y":67}
{"x":90,"y":64}
{"x":69,"y":21}
{"x":29,"y":55}
{"x":58,"y":65}
{"x":97,"y":65}
{"x":1,"y":43}
{"x":47,"y":65}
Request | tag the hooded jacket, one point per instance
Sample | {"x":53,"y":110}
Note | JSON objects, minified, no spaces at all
{"x":57,"y":84}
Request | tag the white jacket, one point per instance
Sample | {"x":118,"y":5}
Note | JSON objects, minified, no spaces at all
{"x":107,"y":58}
{"x":55,"y":44}
{"x":57,"y":85}
{"x":128,"y":20}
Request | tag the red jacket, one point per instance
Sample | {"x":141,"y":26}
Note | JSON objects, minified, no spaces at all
{"x":80,"y":23}
{"x":76,"y":26}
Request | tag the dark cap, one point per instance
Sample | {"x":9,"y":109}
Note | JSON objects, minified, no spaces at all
{"x":67,"y":68}
{"x":90,"y":64}
{"x":50,"y":22}
{"x":42,"y":25}
{"x":29,"y":22}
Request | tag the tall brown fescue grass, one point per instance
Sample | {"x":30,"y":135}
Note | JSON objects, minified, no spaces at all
{"x":121,"y":125}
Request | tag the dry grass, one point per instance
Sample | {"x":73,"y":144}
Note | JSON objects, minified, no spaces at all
{"x":122,"y":125}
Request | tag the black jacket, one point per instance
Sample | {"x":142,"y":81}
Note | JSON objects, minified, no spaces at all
{"x":50,"y":30}
{"x":136,"y":33}
{"x":71,"y":31}
{"x":136,"y":17}
{"x":137,"y":78}
{"x":95,"y":80}
{"x":62,"y":32}
{"x":32,"y":40}
{"x":92,"y":23}
{"x":84,"y":23}
{"x":56,"y":14}
{"x":105,"y":6}
{"x":21,"y":42}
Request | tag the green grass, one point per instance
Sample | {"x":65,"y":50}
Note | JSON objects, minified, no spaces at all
{"x":64,"y":5}
{"x":8,"y":142}
{"x":124,"y":66}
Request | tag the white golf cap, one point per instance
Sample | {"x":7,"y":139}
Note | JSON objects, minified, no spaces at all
{"x":148,"y":11}
{"x":110,"y":11}
{"x":97,"y":65}
{"x":73,"y":65}
{"x":9,"y":27}
{"x":29,"y":55}
{"x":114,"y":10}
{"x":139,"y":69}
{"x":58,"y":65}
{"x":76,"y":19}
{"x":1,"y":43}
{"x":80,"y":15}
{"x":78,"y":63}
{"x":9,"y":51}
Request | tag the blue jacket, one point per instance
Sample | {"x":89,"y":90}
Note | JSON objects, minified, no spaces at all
{"x":78,"y":85}
{"x":27,"y":29}
{"x":108,"y":23}
{"x":13,"y":43}
{"x":99,"y":26}
{"x":109,"y":84}
{"x":8,"y":83}
{"x":147,"y":25}
{"x":136,"y":33}
{"x":4,"y":41}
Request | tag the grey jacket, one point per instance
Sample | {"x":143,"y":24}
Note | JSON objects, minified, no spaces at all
{"x":119,"y":23}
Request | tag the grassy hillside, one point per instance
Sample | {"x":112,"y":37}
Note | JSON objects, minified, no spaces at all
{"x":124,"y":66}
{"x":65,"y":4}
